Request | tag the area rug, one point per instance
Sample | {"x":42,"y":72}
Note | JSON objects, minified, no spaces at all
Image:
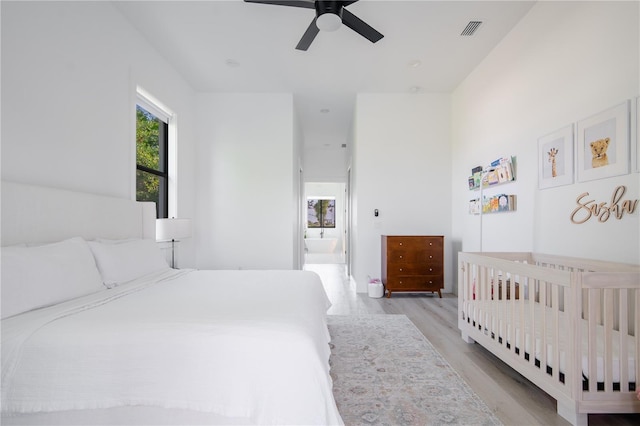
{"x":385,"y":372}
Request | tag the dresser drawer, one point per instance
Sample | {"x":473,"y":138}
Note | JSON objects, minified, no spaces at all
{"x":414,"y":283}
{"x":412,"y":243}
{"x":414,"y":268}
{"x":415,"y":250}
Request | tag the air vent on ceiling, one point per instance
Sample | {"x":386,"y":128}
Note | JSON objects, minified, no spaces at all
{"x":344,"y":145}
{"x":471,"y":28}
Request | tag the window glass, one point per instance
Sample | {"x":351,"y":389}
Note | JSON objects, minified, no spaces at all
{"x":321,"y":213}
{"x":151,"y":160}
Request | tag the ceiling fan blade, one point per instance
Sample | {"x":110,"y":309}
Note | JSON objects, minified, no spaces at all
{"x":308,"y":36}
{"x":307,"y":4}
{"x":359,"y":26}
{"x":347,"y":3}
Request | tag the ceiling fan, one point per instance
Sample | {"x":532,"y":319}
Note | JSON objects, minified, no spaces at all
{"x":329,"y":16}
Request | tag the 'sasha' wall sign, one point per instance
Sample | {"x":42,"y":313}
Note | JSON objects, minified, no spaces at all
{"x":617,"y":207}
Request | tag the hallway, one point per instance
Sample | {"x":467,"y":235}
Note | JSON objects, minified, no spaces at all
{"x":342,"y":291}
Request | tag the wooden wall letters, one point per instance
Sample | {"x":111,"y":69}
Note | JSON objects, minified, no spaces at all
{"x":603,"y":211}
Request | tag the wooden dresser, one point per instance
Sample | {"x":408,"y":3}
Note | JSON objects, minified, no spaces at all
{"x":413,"y":263}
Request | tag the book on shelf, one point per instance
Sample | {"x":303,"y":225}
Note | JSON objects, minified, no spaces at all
{"x":498,"y":171}
{"x":492,"y":177}
{"x":502,"y":175}
{"x":493,"y":204}
{"x":474,"y":206}
{"x":472,"y":183}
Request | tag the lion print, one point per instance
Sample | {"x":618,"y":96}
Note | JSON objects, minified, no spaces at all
{"x":599,"y":152}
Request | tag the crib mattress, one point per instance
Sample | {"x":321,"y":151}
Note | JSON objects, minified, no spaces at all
{"x":497,"y":318}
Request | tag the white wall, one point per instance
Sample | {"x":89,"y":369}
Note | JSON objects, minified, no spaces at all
{"x":401,"y":166}
{"x":69,"y":75}
{"x":563,"y":62}
{"x":69,"y":72}
{"x":246,"y":180}
{"x":298,"y":194}
{"x":322,"y":164}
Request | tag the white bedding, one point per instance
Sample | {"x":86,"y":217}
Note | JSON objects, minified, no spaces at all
{"x":249,"y":344}
{"x":504,"y":325}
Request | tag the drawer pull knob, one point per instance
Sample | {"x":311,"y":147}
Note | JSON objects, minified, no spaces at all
{"x":400,"y":257}
{"x":430,"y":244}
{"x":400,"y":269}
{"x":430,"y":257}
{"x":400,"y":243}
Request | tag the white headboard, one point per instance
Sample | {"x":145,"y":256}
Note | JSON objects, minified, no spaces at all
{"x":33,"y":214}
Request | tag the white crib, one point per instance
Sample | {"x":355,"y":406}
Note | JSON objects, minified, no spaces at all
{"x":571,"y":326}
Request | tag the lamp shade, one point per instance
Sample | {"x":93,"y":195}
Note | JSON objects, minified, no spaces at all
{"x":172,"y":229}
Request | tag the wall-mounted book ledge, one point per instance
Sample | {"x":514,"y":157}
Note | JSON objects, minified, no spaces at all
{"x":494,"y":204}
{"x":500,"y":171}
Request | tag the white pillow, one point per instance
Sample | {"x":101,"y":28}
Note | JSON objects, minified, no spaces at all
{"x":33,"y":277}
{"x":109,"y":241}
{"x":126,"y":261}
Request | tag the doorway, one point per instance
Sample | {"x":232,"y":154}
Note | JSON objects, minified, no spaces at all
{"x":325,"y":224}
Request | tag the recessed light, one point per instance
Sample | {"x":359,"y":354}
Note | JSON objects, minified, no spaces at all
{"x":415,"y":63}
{"x":415,"y":89}
{"x":325,"y":110}
{"x":232,"y":63}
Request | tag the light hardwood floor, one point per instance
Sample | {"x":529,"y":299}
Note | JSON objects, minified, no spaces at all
{"x":514,"y":399}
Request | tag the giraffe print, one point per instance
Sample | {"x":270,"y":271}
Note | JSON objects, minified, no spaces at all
{"x":552,"y":159}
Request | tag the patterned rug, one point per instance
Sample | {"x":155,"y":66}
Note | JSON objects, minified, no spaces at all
{"x":385,"y":372}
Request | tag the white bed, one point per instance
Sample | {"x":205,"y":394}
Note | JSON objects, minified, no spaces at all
{"x":160,"y":346}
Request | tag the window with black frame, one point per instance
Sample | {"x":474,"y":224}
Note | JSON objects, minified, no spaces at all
{"x":321,"y":213}
{"x":152,"y":162}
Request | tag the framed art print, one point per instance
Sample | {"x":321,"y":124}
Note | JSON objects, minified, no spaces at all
{"x":602,"y":144}
{"x":555,"y":158}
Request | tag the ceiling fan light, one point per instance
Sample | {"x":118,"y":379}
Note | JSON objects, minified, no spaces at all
{"x":328,"y":22}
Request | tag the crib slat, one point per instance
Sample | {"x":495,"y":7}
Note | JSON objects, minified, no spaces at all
{"x":598,"y":312}
{"x":543,"y":326}
{"x":555,"y":338}
{"x":523,"y":324}
{"x":470,"y":281}
{"x":495,"y":308}
{"x":575,"y":310}
{"x":637,"y":336}
{"x":515,"y":304}
{"x":531,"y":325}
{"x":623,"y":356}
{"x":608,"y":340}
{"x":484,"y":278}
{"x":591,"y":339}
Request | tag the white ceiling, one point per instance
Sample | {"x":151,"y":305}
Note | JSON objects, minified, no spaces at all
{"x":233,"y":46}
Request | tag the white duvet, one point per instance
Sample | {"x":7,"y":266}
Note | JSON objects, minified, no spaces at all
{"x":251,"y":344}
